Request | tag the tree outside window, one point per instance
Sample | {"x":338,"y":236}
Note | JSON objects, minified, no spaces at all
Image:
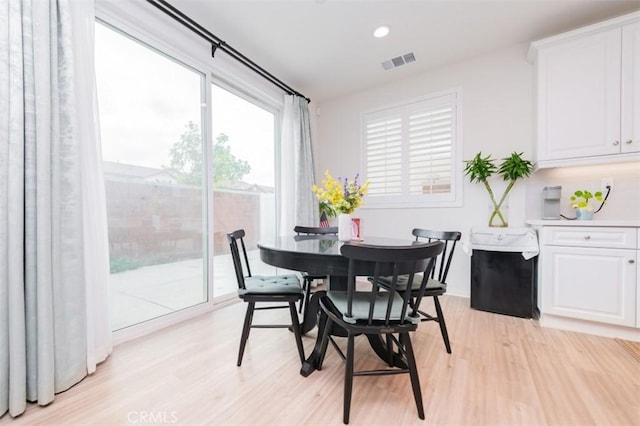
{"x":186,"y":159}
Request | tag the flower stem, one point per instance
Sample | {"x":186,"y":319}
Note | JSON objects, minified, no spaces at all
{"x":496,"y":206}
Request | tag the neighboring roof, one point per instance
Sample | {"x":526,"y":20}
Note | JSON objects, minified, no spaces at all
{"x":116,"y":169}
{"x":244,"y":186}
{"x":132,"y":172}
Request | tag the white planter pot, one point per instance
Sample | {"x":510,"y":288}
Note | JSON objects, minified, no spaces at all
{"x":584,"y":214}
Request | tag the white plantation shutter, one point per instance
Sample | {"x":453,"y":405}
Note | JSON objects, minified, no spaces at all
{"x":384,"y":155}
{"x":411,"y":152}
{"x":430,"y":146}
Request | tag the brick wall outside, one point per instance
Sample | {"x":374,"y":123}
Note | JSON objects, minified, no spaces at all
{"x":151,"y":223}
{"x":235,"y":210}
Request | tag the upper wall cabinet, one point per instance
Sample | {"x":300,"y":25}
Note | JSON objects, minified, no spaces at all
{"x":588,"y":94}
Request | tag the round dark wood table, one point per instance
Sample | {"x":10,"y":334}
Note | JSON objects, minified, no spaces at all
{"x":320,"y":255}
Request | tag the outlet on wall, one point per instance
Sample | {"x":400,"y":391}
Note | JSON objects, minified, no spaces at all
{"x":606,"y":182}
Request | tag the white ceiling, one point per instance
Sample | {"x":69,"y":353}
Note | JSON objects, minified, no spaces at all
{"x":325,"y":48}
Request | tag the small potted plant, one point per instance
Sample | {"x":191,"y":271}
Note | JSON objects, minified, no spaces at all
{"x":580,"y":201}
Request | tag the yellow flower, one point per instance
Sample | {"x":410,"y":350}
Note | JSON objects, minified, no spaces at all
{"x":340,"y":196}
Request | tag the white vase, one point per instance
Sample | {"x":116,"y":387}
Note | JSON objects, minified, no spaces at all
{"x":344,"y":227}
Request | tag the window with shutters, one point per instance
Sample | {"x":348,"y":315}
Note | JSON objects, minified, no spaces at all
{"x":411,"y":152}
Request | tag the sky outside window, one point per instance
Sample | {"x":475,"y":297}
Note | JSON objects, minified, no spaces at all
{"x":250,"y":130}
{"x":131,"y":123}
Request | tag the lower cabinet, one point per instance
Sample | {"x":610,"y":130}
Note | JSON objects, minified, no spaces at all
{"x":591,"y":284}
{"x":638,"y":282}
{"x":590,"y":273}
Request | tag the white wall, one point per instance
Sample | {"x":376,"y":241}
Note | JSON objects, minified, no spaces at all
{"x":497,"y":120}
{"x":623,"y":202}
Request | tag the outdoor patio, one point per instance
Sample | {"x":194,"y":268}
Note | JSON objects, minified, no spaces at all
{"x":152,"y":291}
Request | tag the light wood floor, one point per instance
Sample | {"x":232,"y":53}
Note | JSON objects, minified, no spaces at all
{"x":503,"y":371}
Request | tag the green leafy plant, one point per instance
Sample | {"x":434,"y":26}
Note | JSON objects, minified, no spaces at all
{"x":580,"y":199}
{"x":512,"y":168}
{"x":121,"y":264}
{"x":186,"y":159}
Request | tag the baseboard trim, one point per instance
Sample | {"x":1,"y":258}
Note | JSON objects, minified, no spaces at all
{"x":588,"y":327}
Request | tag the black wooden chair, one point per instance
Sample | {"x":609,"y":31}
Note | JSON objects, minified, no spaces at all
{"x":437,"y":284}
{"x":257,"y":289}
{"x":307,"y":279}
{"x":380,"y":311}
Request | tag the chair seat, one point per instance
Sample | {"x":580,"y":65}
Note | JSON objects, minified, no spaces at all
{"x":361,"y":303}
{"x":432,"y":284}
{"x":272,"y":284}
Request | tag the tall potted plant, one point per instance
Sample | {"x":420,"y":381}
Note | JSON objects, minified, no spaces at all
{"x":512,"y":168}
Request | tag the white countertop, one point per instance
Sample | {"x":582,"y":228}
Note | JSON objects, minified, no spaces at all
{"x":633,"y":223}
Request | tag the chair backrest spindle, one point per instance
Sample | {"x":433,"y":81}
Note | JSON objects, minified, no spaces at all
{"x":449,"y":238}
{"x":233,"y":238}
{"x":423,"y":285}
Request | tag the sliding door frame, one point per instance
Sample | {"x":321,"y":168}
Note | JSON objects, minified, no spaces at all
{"x":142,"y":23}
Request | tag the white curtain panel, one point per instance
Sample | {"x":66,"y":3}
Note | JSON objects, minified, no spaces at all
{"x":297,"y":204}
{"x":94,"y":202}
{"x":53,"y":255}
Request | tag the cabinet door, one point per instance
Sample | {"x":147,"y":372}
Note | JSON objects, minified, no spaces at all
{"x":638,"y":287}
{"x":591,"y":284}
{"x":630,"y":140}
{"x":579,"y":97}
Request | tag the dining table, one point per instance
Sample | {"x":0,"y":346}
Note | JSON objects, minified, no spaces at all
{"x":320,"y":255}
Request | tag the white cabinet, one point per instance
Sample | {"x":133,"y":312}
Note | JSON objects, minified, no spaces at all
{"x":590,"y":273}
{"x":630,"y":139}
{"x":588,"y":94}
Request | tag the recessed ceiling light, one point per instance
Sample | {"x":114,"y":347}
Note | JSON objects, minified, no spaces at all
{"x":381,"y":31}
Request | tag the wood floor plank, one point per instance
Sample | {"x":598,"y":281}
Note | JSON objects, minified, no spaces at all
{"x":503,"y":371}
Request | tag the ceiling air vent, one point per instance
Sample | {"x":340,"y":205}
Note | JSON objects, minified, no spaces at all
{"x":399,"y":60}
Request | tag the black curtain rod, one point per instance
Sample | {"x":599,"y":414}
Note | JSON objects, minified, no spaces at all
{"x":218,"y":43}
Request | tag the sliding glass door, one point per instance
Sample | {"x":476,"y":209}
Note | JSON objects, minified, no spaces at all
{"x":173,"y":190}
{"x":243,"y":181}
{"x":152,"y":137}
